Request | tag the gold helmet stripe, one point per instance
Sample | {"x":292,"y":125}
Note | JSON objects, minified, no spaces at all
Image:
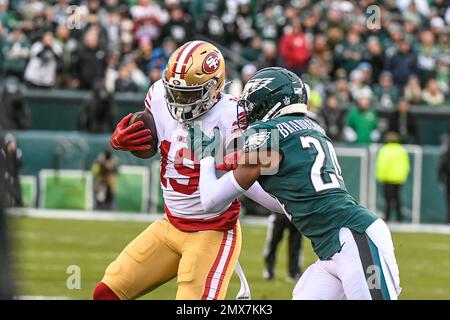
{"x":184,"y":55}
{"x":178,"y":57}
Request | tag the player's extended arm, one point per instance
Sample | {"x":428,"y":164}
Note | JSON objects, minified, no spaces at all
{"x":217,"y":194}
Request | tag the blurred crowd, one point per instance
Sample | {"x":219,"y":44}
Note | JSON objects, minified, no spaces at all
{"x":355,"y":55}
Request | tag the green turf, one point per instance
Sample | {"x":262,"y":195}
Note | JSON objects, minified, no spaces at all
{"x":44,"y":248}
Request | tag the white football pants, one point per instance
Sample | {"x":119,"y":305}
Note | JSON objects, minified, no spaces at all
{"x":364,"y":269}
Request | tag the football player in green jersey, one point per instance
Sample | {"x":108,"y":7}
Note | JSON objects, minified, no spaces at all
{"x":291,"y":157}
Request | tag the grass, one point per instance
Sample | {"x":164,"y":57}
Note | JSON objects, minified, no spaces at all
{"x":44,"y":248}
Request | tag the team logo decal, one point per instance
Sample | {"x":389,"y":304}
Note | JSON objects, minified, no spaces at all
{"x":287,"y":101}
{"x":256,"y":140}
{"x":211,"y":62}
{"x":254,"y":85}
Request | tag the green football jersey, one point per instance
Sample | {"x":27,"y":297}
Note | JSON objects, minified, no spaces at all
{"x":308,"y":182}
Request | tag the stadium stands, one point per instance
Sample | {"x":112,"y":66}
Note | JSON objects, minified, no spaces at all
{"x":56,"y":57}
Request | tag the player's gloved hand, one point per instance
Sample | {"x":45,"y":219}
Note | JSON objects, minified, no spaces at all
{"x":202,"y":145}
{"x":130,"y":138}
{"x":230,"y":161}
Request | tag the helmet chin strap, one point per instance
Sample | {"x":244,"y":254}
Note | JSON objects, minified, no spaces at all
{"x":293,"y":108}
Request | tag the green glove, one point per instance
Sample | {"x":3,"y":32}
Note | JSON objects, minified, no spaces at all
{"x":201,"y":144}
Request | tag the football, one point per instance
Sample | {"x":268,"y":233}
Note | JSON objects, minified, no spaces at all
{"x":149,"y":123}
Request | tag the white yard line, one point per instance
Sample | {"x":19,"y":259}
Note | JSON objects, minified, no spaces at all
{"x":149,"y":217}
{"x":41,"y":298}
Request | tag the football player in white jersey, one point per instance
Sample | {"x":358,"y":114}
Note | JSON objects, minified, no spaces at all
{"x":199,"y":247}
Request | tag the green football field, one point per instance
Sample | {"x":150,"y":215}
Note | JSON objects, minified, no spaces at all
{"x":43,"y":249}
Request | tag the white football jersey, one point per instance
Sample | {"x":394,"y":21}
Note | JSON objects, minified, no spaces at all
{"x":179,"y":174}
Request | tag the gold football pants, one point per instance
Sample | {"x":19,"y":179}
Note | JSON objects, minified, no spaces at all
{"x":202,"y":261}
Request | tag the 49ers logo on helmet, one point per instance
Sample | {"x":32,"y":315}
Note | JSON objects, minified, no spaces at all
{"x":211,"y":62}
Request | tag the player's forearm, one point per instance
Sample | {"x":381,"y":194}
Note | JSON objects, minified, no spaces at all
{"x":257,"y":194}
{"x":216,"y":194}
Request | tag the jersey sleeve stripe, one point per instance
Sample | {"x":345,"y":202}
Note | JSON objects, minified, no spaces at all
{"x":147,"y":105}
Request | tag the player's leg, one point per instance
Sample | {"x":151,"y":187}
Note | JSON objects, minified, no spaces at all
{"x":361,"y":269}
{"x":207,"y":264}
{"x":144,"y":264}
{"x":295,"y":252}
{"x":382,"y":248}
{"x":275,"y":230}
{"x":398,"y":202}
{"x":317,"y":283}
{"x":388,"y":200}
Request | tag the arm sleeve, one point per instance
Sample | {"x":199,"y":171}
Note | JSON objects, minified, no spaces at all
{"x":257,"y":194}
{"x":216,"y":194}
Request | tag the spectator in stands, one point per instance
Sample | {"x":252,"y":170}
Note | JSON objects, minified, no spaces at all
{"x":14,"y":113}
{"x":341,"y":89}
{"x":427,"y":56}
{"x":295,"y":49}
{"x":402,"y":122}
{"x":105,"y":171}
{"x":317,"y":76}
{"x":113,"y":29}
{"x":443,"y":74}
{"x":444,"y":173}
{"x":13,"y":165}
{"x":160,"y":56}
{"x":253,"y":51}
{"x":361,"y":121}
{"x":277,"y":224}
{"x":90,"y":63}
{"x":3,"y":35}
{"x":357,"y":85}
{"x":136,"y":75}
{"x":15,"y":50}
{"x":332,"y":117}
{"x":210,"y":22}
{"x":143,"y":54}
{"x":4,"y":16}
{"x":413,"y":91}
{"x":243,"y":25}
{"x":376,"y":56}
{"x":366,"y":70}
{"x":392,"y":169}
{"x":270,"y":55}
{"x":69,"y":45}
{"x":124,"y":83}
{"x":237,"y":85}
{"x":444,"y":44}
{"x":349,"y":54}
{"x":44,"y":57}
{"x":148,"y":18}
{"x":402,"y":64}
{"x":111,"y":73}
{"x":432,"y":94}
{"x":322,"y":52}
{"x":154,"y":75}
{"x":97,"y":114}
{"x":270,"y":22}
{"x":385,"y":92}
{"x":179,"y":27}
